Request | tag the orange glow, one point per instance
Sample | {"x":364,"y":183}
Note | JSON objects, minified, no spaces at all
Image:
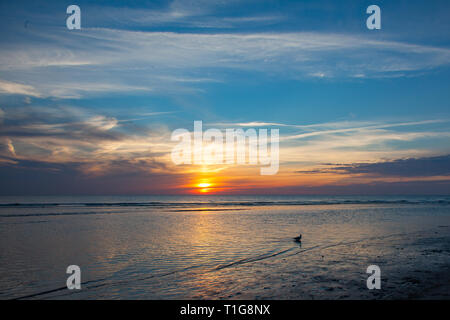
{"x":204,"y":185}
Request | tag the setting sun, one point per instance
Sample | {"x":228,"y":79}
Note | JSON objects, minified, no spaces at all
{"x":204,"y":186}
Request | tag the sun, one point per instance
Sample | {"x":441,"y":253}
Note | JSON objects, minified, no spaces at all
{"x":204,"y":185}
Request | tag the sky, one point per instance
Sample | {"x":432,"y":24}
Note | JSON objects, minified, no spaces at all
{"x":92,"y":111}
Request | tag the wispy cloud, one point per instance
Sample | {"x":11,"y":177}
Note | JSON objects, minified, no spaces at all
{"x":355,"y":127}
{"x":187,"y":14}
{"x":7,"y":87}
{"x":159,"y":61}
{"x":357,"y":142}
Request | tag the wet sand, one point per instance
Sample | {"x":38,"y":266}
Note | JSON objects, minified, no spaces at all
{"x":417,"y":267}
{"x":228,"y":250}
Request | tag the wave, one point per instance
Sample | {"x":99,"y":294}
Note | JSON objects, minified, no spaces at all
{"x":208,"y":204}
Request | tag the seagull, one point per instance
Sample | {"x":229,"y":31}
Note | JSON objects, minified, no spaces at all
{"x":298,"y":239}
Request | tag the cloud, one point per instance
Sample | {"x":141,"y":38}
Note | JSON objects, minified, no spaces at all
{"x":71,"y":90}
{"x":191,"y":14}
{"x":352,"y":141}
{"x":91,"y":62}
{"x":102,"y":144}
{"x":353,"y":127}
{"x":412,"y":167}
{"x":32,"y":177}
{"x":7,"y":147}
{"x":7,"y":87}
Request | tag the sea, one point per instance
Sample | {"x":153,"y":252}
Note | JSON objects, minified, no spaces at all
{"x":224,"y":247}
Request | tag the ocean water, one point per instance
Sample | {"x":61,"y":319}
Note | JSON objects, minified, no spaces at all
{"x":223,"y":247}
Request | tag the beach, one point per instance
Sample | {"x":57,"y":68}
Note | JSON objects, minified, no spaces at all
{"x":225,"y":247}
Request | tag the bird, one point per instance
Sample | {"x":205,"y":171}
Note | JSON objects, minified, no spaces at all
{"x":298,"y":239}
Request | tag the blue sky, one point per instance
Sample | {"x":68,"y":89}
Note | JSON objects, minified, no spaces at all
{"x":100,"y":103}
